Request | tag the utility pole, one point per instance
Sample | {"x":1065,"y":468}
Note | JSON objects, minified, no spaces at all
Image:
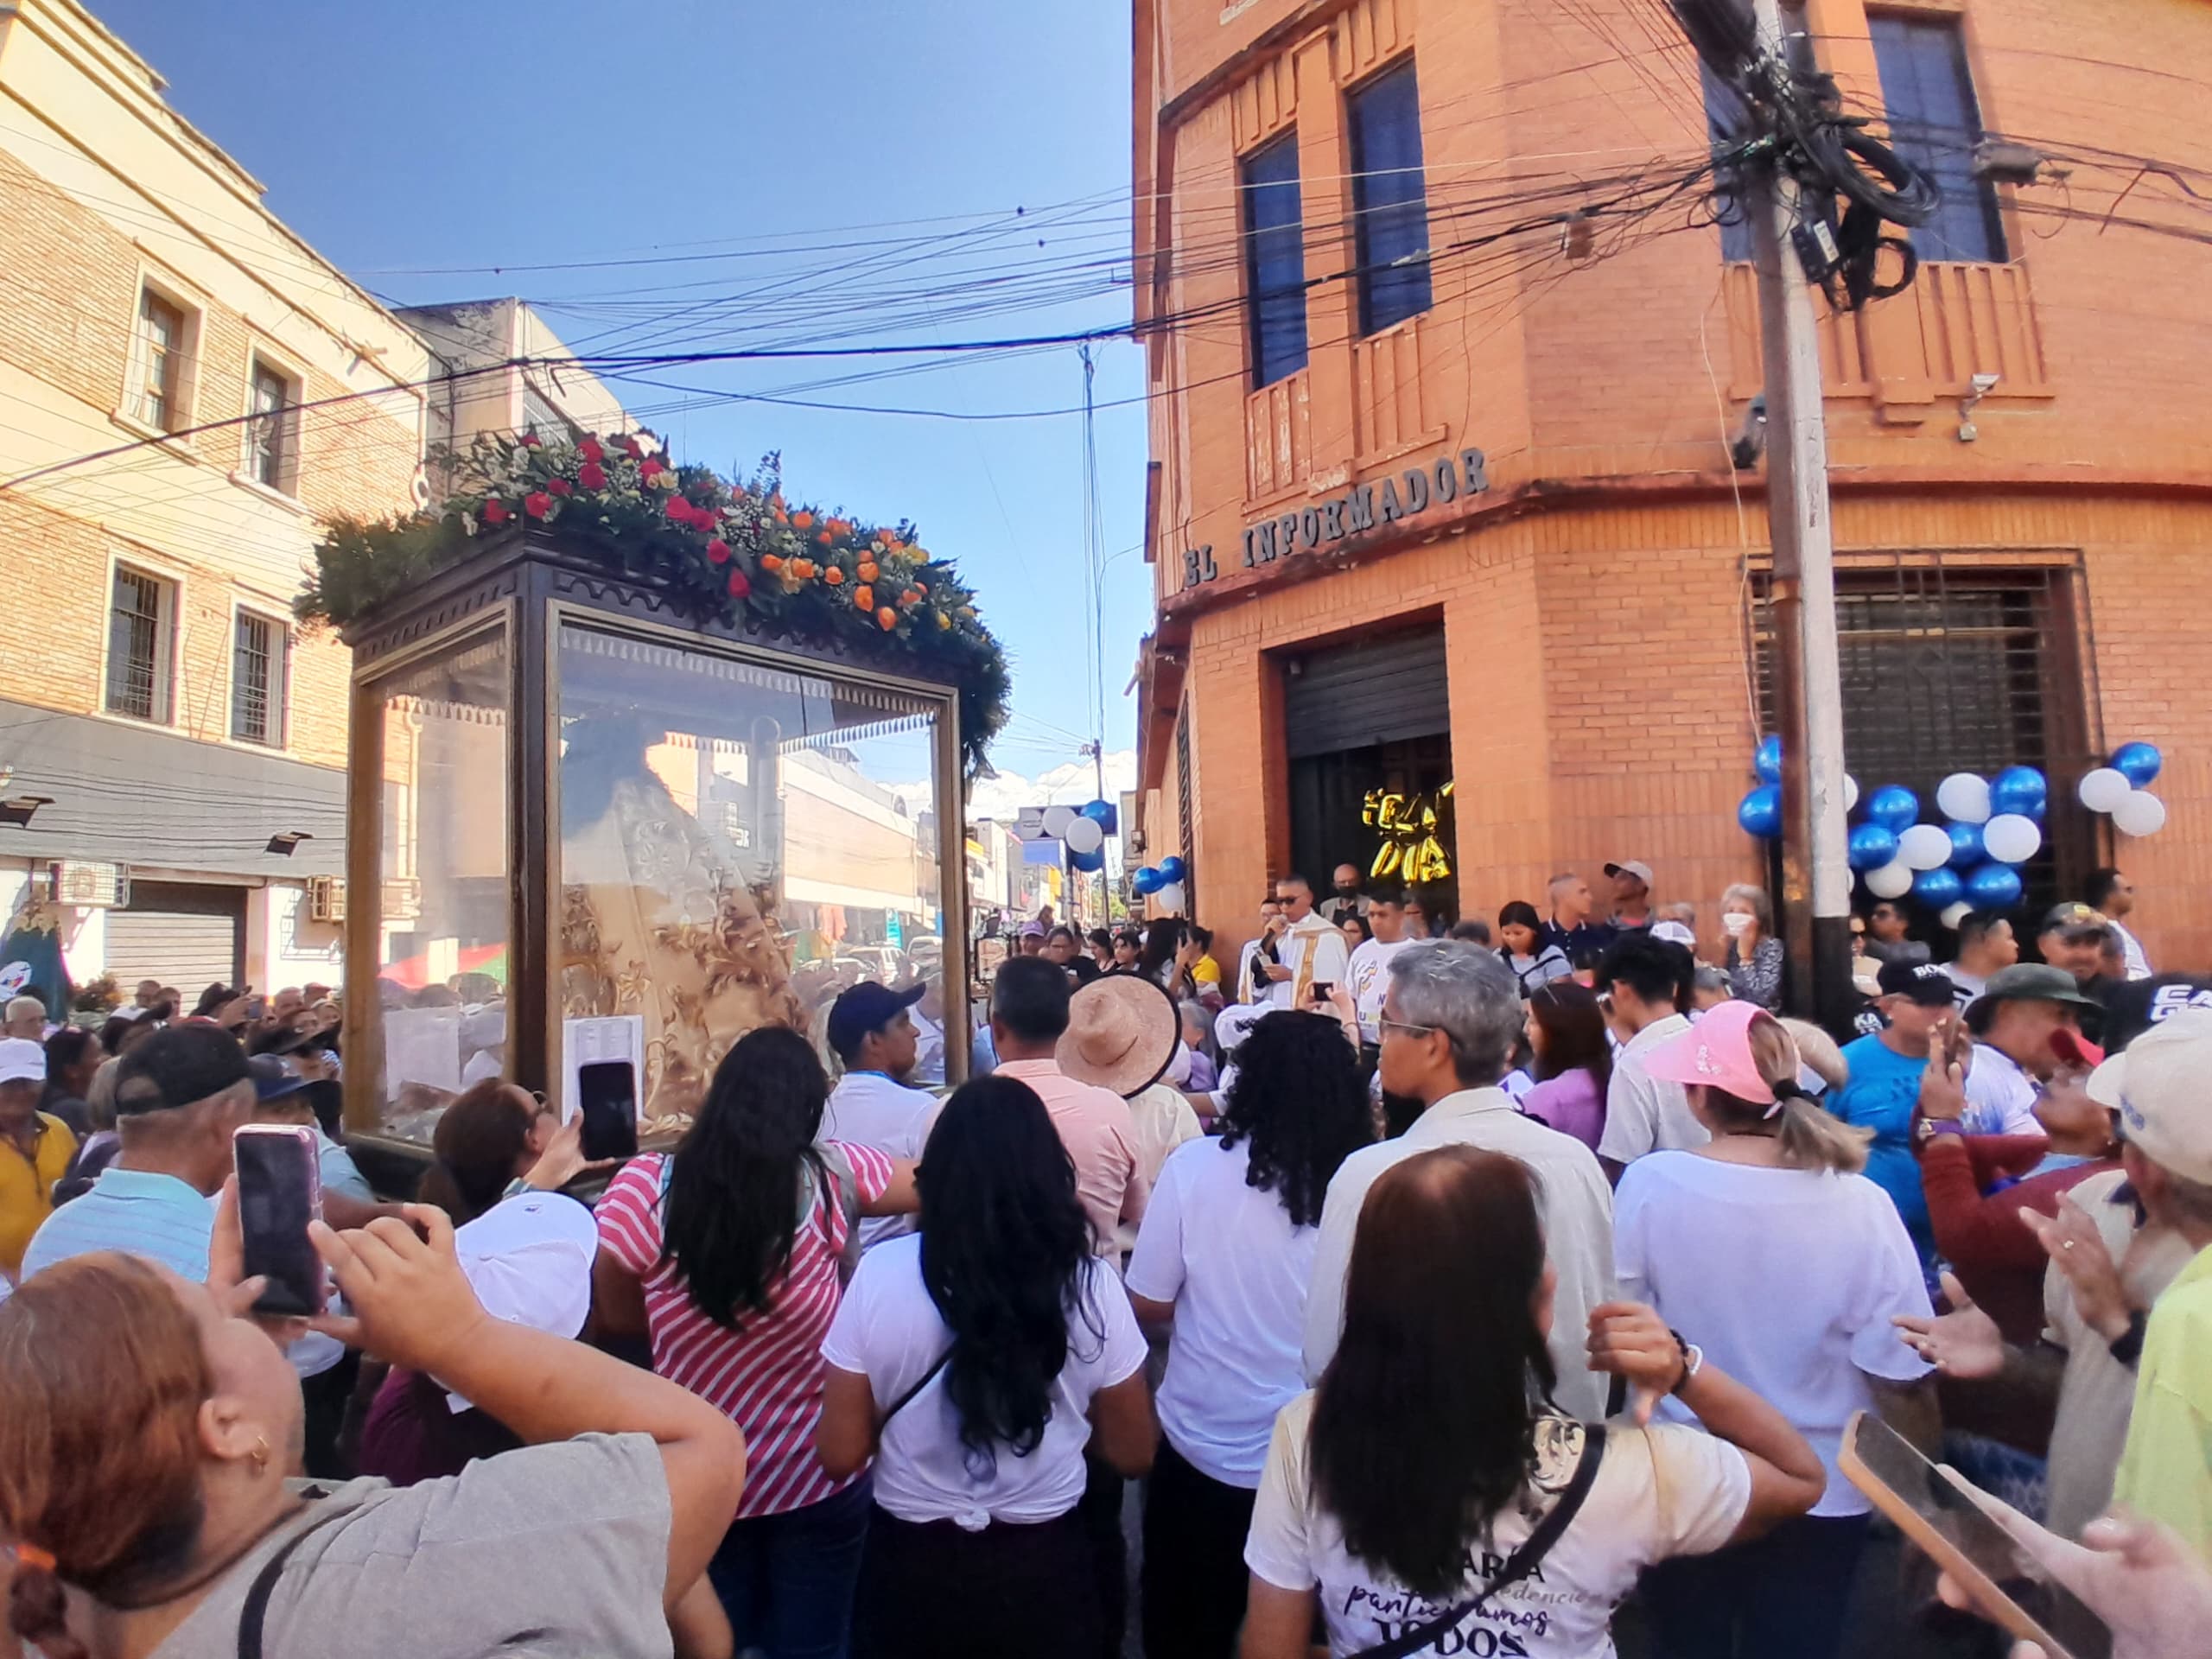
{"x":1816,"y":872}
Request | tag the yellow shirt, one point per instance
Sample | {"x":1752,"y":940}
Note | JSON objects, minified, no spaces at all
{"x":27,"y":1186}
{"x":1205,"y":971}
{"x":2166,"y":1471}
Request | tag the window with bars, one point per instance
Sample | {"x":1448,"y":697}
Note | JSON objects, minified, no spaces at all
{"x":159,"y":396}
{"x":272,"y":434}
{"x":1959,"y":667}
{"x":1935,"y":123}
{"x":1275,"y":261}
{"x":141,"y":620}
{"x":260,"y":647}
{"x":1389,"y":198}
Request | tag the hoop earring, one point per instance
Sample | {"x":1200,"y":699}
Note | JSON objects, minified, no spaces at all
{"x":260,"y":1455}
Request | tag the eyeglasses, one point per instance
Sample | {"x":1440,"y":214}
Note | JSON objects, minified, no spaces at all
{"x":1401,"y":1025}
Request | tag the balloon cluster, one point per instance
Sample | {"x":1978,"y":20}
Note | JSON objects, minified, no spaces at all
{"x":1082,"y":830}
{"x":2121,"y":790}
{"x":1163,"y":881}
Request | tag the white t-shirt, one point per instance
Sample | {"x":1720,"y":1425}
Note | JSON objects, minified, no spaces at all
{"x":1643,"y":1113}
{"x":1965,"y":986}
{"x":1660,"y":1491}
{"x":1787,"y":1278}
{"x":2131,"y":952}
{"x":870,"y":1109}
{"x":888,"y":1331}
{"x":1226,"y":1254}
{"x":1162,"y":1120}
{"x":1315,"y":952}
{"x":2000,"y":1097}
{"x":1369,"y":978}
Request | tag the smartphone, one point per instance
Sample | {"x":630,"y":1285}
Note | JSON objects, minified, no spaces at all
{"x":1933,"y":1510}
{"x":606,"y":1095}
{"x":280,"y":1190}
{"x":1318,"y":990}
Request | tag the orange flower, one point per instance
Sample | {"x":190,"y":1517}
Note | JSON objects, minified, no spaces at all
{"x":909,"y":597}
{"x":890,"y":542}
{"x":886,"y":618}
{"x":840,"y":527}
{"x":864,"y":597}
{"x":803,"y":519}
{"x":803,"y":568}
{"x":769,"y":562}
{"x":780,"y":517}
{"x":823,"y":536}
{"x":921,"y":587}
{"x":869,"y":568}
{"x":834,"y":576}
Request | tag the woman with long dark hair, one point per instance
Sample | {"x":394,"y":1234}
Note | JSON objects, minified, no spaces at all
{"x":976,"y":1361}
{"x":1226,"y":1253}
{"x":1418,"y":1489}
{"x":728,"y":1252}
{"x":1160,"y":960}
{"x":1574,"y":1060}
{"x":1522,"y":947}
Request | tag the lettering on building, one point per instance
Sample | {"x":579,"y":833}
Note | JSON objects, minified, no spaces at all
{"x":1361,"y":509}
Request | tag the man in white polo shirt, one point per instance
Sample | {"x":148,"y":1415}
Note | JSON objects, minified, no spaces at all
{"x":1648,"y":979}
{"x":872,"y":1032}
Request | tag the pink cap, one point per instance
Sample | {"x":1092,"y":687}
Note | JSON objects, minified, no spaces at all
{"x":1717,"y":1050}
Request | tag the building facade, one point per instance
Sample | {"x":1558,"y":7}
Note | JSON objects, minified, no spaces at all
{"x":183,"y":737}
{"x":1447,"y":354}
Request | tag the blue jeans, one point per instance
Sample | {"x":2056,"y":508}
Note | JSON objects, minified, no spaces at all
{"x":786,"y":1581}
{"x":1786,"y":1593}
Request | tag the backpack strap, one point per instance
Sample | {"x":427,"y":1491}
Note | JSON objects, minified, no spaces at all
{"x":1523,"y":1560}
{"x":847,"y":1187}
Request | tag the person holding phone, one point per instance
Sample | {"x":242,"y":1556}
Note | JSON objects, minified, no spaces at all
{"x":148,"y":1426}
{"x":1429,"y":1495}
{"x":1310,"y":949}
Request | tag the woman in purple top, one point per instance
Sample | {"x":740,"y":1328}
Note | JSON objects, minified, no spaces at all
{"x":1567,"y":1029}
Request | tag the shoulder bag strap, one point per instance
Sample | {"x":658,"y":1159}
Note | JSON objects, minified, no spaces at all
{"x":255,"y":1613}
{"x":1523,"y":1560}
{"x":846,"y":1188}
{"x":907,"y":1398}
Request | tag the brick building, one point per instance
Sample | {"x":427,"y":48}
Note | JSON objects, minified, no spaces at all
{"x":1441,"y":489}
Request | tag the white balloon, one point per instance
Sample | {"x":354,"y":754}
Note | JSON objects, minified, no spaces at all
{"x":1964,"y":797}
{"x":2141,"y":814}
{"x":1056,"y":819}
{"x":1169,"y":898}
{"x":1083,"y":836}
{"x":1850,"y":791}
{"x":1924,"y":847}
{"x":2010,"y":838}
{"x":1893,"y":879}
{"x":1956,"y":913}
{"x":2104,"y":788}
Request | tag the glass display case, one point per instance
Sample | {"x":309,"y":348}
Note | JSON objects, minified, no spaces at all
{"x":582,"y":831}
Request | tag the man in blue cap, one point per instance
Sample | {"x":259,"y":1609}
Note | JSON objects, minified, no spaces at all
{"x":872,"y":1032}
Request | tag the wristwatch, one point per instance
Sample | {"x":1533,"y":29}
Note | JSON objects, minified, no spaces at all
{"x":1692,"y":1361}
{"x":1926,"y":1128}
{"x":2127,"y":1346}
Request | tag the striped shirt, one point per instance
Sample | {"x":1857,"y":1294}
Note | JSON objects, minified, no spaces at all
{"x":134,"y":1211}
{"x":767,"y":1377}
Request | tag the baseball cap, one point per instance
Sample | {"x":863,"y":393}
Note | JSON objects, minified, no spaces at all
{"x":869,"y":1005}
{"x":272,"y":1078}
{"x":2158,"y":1087}
{"x":2034,"y":982}
{"x":1633,"y":866}
{"x":2134,"y":1008}
{"x":1716,"y":1051}
{"x":1673,"y":933}
{"x":21,"y":1060}
{"x":2074,"y":918}
{"x":529,"y":1261}
{"x":179,"y":1065}
{"x":1032,"y":930}
{"x":1922,"y":983}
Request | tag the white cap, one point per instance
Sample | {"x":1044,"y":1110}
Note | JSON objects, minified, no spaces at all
{"x":2156,"y":1084}
{"x":21,"y":1060}
{"x":1234,"y":1024}
{"x":529,"y":1261}
{"x":1674,"y":933}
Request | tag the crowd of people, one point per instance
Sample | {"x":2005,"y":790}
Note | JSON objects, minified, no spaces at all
{"x":1444,"y":1294}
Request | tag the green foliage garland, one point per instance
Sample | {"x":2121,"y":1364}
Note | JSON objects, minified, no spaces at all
{"x":727,"y":552}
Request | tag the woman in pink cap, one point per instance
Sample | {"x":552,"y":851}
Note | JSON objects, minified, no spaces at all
{"x":1770,"y":1251}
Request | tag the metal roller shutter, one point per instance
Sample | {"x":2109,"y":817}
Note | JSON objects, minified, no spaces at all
{"x":1373,"y":691}
{"x":178,"y":933}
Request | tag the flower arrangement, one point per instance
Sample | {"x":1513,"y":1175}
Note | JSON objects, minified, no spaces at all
{"x":725,"y":551}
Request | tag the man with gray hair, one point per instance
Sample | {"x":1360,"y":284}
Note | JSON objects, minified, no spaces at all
{"x":1448,"y":1024}
{"x":24,"y":1019}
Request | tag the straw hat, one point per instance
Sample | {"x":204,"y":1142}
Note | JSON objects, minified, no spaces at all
{"x":1122,"y":1035}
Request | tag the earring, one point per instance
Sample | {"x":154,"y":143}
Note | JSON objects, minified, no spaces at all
{"x":260,"y":1455}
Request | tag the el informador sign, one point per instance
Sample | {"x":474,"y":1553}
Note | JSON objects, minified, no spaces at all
{"x":1362,"y":508}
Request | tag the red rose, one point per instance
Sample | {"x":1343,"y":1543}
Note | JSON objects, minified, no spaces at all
{"x":631,"y":447}
{"x":530,"y":440}
{"x":560,"y":487}
{"x":651,"y":466}
{"x":718,"y":551}
{"x":739,"y":587}
{"x":495,"y":512}
{"x":538,"y":504}
{"x":681,"y":510}
{"x":591,"y":475}
{"x":590,"y":451}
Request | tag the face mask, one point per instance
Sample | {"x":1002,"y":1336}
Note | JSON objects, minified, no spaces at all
{"x":1737,"y":923}
{"x":1343,"y":891}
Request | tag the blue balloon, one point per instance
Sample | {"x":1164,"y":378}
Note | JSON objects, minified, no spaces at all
{"x":2019,"y":789}
{"x":1099,"y":811}
{"x":1760,"y":812}
{"x":1871,"y":847}
{"x":1766,"y":761}
{"x":1089,"y":863}
{"x":1146,"y":882}
{"x":1894,"y":807}
{"x":1939,"y":888}
{"x":1993,"y":887}
{"x":1172,"y":870}
{"x":1966,"y":850}
{"x":2138,"y":762}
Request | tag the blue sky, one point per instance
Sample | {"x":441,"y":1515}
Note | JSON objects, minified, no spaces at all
{"x":408,"y":135}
